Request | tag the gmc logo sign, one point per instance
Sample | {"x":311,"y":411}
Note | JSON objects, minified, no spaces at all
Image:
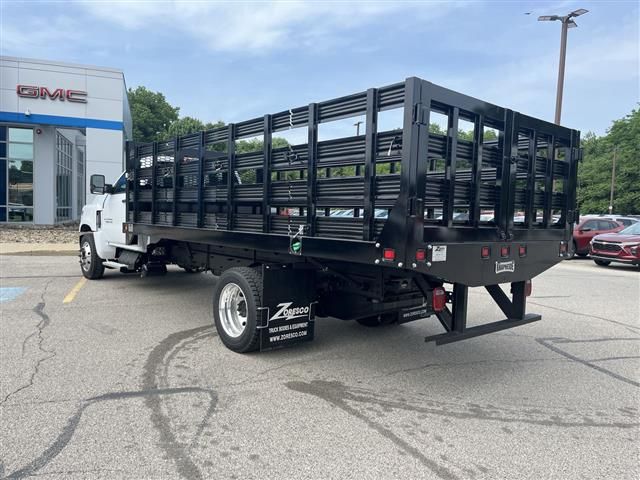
{"x":30,"y":91}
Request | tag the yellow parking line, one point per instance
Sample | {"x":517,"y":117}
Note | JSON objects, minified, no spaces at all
{"x":74,"y":291}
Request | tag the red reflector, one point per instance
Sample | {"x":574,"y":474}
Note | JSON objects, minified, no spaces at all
{"x":528,"y":288}
{"x":439,"y":299}
{"x":421,"y":255}
{"x":389,"y":254}
{"x":504,"y":251}
{"x":486,"y":252}
{"x":522,"y":250}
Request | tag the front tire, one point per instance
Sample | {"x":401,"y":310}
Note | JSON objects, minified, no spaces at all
{"x":236,"y":299}
{"x":602,"y":263}
{"x":90,"y":262}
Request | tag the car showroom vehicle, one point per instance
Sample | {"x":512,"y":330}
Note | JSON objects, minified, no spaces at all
{"x":588,"y":228}
{"x":282,"y":226}
{"x":621,"y":247}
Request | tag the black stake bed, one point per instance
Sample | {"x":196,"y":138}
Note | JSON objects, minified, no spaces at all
{"x":490,"y":201}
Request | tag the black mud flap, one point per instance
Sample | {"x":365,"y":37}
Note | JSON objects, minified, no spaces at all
{"x":288,"y":307}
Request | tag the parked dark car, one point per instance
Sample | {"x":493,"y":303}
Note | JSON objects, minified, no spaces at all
{"x":623,"y":247}
{"x":589,"y":228}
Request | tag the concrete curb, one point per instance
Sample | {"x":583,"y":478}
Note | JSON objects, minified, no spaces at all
{"x":38,"y":249}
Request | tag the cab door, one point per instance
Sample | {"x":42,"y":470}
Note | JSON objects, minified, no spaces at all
{"x":114,"y":212}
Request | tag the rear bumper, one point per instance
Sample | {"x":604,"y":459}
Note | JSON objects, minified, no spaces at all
{"x":628,"y":261}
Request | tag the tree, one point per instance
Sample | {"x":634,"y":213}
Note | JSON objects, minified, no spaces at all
{"x":186,"y":125}
{"x":594,"y":174}
{"x":151,"y":114}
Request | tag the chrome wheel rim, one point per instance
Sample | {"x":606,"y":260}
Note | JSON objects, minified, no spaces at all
{"x":232,"y":309}
{"x":85,"y":256}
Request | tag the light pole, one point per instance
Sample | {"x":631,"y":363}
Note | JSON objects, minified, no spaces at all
{"x":567,"y":23}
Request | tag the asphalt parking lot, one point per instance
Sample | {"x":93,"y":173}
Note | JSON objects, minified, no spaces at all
{"x":127,"y":379}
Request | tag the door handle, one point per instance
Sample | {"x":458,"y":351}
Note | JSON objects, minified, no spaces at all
{"x":124,"y":200}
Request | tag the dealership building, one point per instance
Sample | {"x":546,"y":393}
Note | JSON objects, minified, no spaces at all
{"x":59,"y":124}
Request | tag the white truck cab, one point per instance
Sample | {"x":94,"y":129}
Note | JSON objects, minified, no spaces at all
{"x":101,"y":222}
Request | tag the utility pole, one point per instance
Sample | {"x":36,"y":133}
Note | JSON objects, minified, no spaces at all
{"x":567,"y":23}
{"x":613,"y":178}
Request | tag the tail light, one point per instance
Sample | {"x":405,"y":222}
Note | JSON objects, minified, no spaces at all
{"x":522,"y":250}
{"x":528,"y":288}
{"x":485,"y":252}
{"x":439,"y":299}
{"x":504,"y":251}
{"x":421,"y":255}
{"x":389,"y":254}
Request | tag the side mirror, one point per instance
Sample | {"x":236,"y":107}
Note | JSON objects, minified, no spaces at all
{"x":97,"y":185}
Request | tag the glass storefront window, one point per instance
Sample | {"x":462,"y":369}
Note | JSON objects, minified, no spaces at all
{"x":20,"y":191}
{"x":23,"y":135}
{"x":21,"y":151}
{"x":16,"y":160}
{"x":64,"y":178}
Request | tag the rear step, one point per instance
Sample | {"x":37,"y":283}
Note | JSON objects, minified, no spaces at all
{"x":450,"y":337}
{"x":112,"y":264}
{"x":455,"y":322}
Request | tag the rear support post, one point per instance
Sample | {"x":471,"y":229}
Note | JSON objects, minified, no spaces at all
{"x":455,"y":323}
{"x":512,"y":309}
{"x":459,"y":306}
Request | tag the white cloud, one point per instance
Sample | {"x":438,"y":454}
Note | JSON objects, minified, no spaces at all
{"x":40,"y":37}
{"x":255,"y":26}
{"x":598,"y":62}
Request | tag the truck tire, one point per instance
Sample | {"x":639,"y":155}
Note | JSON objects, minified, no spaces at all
{"x":90,"y":262}
{"x":602,"y":263}
{"x":378,"y":320}
{"x":236,"y":299}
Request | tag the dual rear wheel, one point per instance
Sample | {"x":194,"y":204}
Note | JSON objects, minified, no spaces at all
{"x":236,"y":299}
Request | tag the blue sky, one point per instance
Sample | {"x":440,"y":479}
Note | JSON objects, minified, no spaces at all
{"x":233,"y":61}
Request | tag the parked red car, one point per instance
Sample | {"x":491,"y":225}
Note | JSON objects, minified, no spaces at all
{"x":623,"y":247}
{"x":589,"y":228}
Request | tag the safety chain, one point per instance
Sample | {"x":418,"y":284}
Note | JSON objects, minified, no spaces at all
{"x":393,"y":142}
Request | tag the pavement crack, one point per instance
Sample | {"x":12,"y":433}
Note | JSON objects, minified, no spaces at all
{"x":155,"y":372}
{"x":604,"y":319}
{"x":475,"y":412}
{"x":459,"y":364}
{"x":68,"y":431}
{"x":44,"y":322}
{"x":337,"y":394}
{"x":551,"y":342}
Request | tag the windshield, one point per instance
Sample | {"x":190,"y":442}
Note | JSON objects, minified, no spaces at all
{"x":631,"y":229}
{"x":121,"y":185}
